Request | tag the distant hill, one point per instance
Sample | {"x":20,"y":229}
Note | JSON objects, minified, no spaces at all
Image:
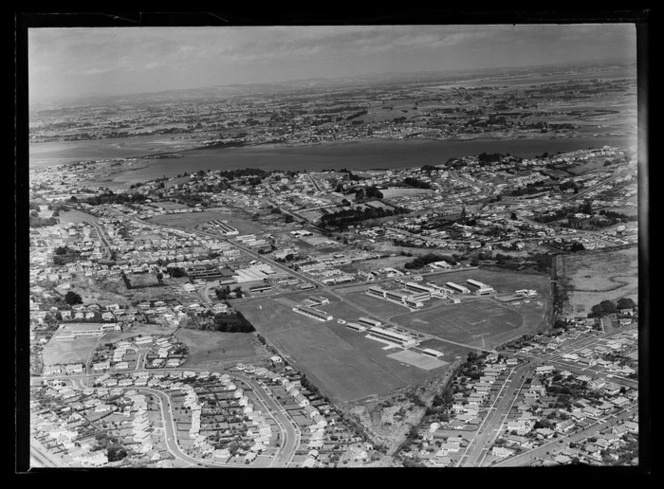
{"x":302,"y":85}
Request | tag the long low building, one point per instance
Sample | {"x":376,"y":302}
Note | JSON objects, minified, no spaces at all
{"x":369,"y":322}
{"x":391,"y":336}
{"x":480,"y":287}
{"x":432,"y":353}
{"x":419,"y":288}
{"x":458,"y":288}
{"x":72,"y":330}
{"x":356,"y":327}
{"x":313,"y":313}
{"x":407,"y":298}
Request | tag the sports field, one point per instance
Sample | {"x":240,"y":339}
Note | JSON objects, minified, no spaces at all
{"x":58,"y":352}
{"x":476,"y":322}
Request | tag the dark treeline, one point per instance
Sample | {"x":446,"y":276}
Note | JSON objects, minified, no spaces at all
{"x":424,"y":260}
{"x":415,"y":183}
{"x":345,"y":217}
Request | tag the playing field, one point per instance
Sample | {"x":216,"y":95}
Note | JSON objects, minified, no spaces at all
{"x":57,"y":352}
{"x":475,"y":322}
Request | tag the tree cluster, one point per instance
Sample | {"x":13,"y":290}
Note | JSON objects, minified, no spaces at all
{"x":416,"y":183}
{"x":602,"y":309}
{"x":112,"y":198}
{"x":368,"y":193}
{"x":424,"y":260}
{"x":72,"y":298}
{"x":344,"y":217}
{"x":231,"y":323}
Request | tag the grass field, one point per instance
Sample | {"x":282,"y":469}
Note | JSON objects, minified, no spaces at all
{"x":475,"y":322}
{"x":211,"y":349}
{"x":62,"y":352}
{"x":381,"y":309}
{"x":417,"y":359}
{"x":193,"y":219}
{"x":594,"y":277}
{"x":346,"y":365}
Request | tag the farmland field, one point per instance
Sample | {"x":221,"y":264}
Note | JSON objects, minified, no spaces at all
{"x":591,"y":278}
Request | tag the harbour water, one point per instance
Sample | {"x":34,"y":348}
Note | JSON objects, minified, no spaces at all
{"x":351,"y":155}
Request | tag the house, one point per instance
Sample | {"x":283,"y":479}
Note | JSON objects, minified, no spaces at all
{"x":544,"y":433}
{"x":501,"y":452}
{"x":592,"y":412}
{"x":564,"y":426}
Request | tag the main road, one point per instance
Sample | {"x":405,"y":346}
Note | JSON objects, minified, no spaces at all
{"x":526,"y":457}
{"x":493,"y":421}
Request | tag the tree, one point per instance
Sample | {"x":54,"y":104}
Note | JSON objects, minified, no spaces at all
{"x":115,"y":453}
{"x":626,"y":303}
{"x":604,"y":308}
{"x":288,"y":218}
{"x":73,"y":298}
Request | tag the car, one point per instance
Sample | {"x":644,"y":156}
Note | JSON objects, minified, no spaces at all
{"x":341,"y":321}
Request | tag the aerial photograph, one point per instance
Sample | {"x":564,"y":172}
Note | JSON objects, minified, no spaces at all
{"x":333,"y":246}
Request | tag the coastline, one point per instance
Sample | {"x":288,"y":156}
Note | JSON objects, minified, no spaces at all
{"x":369,"y":154}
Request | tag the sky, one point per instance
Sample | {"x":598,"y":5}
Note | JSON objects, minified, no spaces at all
{"x":72,"y":62}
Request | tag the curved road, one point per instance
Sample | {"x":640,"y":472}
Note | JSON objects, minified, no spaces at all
{"x":289,"y":432}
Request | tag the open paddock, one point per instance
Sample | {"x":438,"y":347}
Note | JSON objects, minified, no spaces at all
{"x":594,"y":277}
{"x":343,"y":363}
{"x":340,"y":370}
